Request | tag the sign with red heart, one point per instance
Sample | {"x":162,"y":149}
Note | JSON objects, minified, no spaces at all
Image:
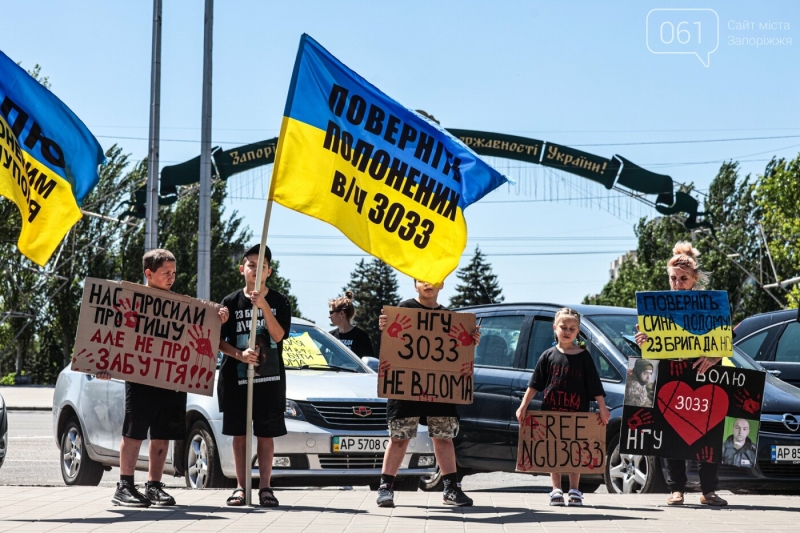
{"x":672,"y":411}
{"x":692,"y":413}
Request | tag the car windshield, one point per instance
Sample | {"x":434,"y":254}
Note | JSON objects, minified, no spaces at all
{"x":309,"y":348}
{"x":620,"y":329}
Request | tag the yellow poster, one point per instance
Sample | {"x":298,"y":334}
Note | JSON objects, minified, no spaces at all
{"x":302,"y":350}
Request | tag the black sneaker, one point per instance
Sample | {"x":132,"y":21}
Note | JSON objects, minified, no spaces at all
{"x":456,"y":496}
{"x":127,"y":496}
{"x":154,"y":491}
{"x":385,"y":496}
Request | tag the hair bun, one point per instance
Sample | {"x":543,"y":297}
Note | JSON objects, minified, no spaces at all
{"x":348,"y":295}
{"x":685,"y":248}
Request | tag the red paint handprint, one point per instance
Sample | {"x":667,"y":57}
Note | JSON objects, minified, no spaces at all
{"x":384,"y":368}
{"x":460,"y":333}
{"x":201,"y":344}
{"x":744,"y":400}
{"x":706,"y":455}
{"x":676,"y":368}
{"x":467,"y":368}
{"x":640,"y":418}
{"x":401,"y":323}
{"x":129,"y":312}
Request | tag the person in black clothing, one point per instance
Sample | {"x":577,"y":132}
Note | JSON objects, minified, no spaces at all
{"x":684,"y":274}
{"x":159,"y":412}
{"x":269,"y":385}
{"x":341,"y":312}
{"x":567,"y":376}
{"x":404,"y":416}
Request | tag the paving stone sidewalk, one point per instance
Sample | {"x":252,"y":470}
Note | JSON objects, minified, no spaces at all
{"x":67,"y":509}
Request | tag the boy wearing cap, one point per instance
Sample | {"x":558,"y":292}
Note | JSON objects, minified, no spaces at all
{"x":269,"y":384}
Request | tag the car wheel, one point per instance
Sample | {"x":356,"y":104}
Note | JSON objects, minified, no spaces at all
{"x":630,"y":474}
{"x":77,"y":468}
{"x":203,"y":470}
{"x":406,"y":484}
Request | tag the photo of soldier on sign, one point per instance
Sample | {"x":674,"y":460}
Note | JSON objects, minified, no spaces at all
{"x":427,"y":356}
{"x":148,"y":336}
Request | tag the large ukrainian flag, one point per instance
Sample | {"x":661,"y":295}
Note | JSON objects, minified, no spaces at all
{"x":49,"y":160}
{"x":394,"y":182}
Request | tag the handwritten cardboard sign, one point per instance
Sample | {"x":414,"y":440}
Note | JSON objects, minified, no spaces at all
{"x":148,"y":336}
{"x":551,"y":441}
{"x":427,"y":356}
{"x":302,"y":350}
{"x":685,"y":324}
{"x":711,"y":417}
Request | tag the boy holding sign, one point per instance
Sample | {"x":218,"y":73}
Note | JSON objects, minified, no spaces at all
{"x":567,"y":376}
{"x":404,"y":416}
{"x":154,"y":410}
{"x":269,"y":384}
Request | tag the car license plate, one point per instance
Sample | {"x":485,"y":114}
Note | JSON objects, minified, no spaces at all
{"x":359,"y":444}
{"x":785,"y":454}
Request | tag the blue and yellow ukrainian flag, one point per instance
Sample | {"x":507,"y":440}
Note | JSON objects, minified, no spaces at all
{"x":50,"y":161}
{"x":394,"y":182}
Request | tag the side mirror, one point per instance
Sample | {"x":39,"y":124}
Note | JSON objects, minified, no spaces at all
{"x":371,"y":362}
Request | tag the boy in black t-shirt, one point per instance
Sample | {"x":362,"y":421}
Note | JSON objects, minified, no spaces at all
{"x":404,"y":416}
{"x":569,"y":379}
{"x":159,"y":412}
{"x":269,"y":385}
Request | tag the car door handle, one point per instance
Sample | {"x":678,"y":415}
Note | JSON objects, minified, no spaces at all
{"x":776,"y":373}
{"x":520,"y":393}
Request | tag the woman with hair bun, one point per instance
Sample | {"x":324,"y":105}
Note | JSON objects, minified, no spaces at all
{"x":684,"y":275}
{"x":341,"y":313}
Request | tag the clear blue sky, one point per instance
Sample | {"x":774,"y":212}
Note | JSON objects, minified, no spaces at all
{"x":575,"y":73}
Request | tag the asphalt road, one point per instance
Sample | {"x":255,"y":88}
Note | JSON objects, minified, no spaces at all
{"x":33,"y":459}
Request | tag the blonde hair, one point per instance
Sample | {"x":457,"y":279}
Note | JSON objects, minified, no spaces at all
{"x":343,"y":303}
{"x":685,"y":257}
{"x":566,"y":312}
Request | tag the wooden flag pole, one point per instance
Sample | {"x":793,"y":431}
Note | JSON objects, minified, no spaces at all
{"x":250,"y":368}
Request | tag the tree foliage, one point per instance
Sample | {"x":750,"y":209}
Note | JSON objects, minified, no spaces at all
{"x":479,"y":284}
{"x":374,"y":285}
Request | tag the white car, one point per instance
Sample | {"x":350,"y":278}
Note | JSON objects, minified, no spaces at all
{"x":337,"y":427}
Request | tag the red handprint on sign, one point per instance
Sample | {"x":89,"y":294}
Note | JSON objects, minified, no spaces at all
{"x":401,"y":323}
{"x":384,"y":368}
{"x":744,"y":400}
{"x":467,"y":368}
{"x":640,"y":418}
{"x":129,"y":312}
{"x":676,"y":368}
{"x":201,"y":343}
{"x":706,"y":455}
{"x":460,"y":333}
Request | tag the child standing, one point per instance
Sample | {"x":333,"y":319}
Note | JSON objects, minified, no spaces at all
{"x":269,"y":385}
{"x":567,"y":376}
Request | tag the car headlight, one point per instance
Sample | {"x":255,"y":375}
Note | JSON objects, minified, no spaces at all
{"x":293,"y":411}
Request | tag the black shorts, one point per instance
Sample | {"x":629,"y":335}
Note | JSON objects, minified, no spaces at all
{"x":268,"y":420}
{"x":159,"y":412}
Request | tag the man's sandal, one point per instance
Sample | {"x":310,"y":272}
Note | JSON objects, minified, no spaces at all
{"x":557,"y":497}
{"x":234,"y":500}
{"x":267,"y":498}
{"x":575,"y":497}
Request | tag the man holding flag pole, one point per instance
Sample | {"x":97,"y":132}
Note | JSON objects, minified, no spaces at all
{"x":395,"y":183}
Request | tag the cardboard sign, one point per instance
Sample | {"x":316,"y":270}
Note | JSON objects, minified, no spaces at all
{"x":427,"y":356}
{"x":148,"y":336}
{"x":684,"y":324}
{"x":551,"y":441}
{"x":711,"y":417}
{"x":302,"y":350}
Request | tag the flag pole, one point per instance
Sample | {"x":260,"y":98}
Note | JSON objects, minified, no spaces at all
{"x":250,"y":369}
{"x":204,"y":199}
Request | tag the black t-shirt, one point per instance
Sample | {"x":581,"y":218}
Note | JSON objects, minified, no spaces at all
{"x":410,"y":408}
{"x":269,"y":384}
{"x":569,"y":382}
{"x":357,"y":340}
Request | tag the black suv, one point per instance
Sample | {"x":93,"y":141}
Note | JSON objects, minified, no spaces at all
{"x":773,"y":339}
{"x":513,"y":338}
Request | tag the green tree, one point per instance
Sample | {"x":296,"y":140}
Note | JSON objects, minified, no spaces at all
{"x":479,"y":285}
{"x":374,"y":285}
{"x":778,"y":195}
